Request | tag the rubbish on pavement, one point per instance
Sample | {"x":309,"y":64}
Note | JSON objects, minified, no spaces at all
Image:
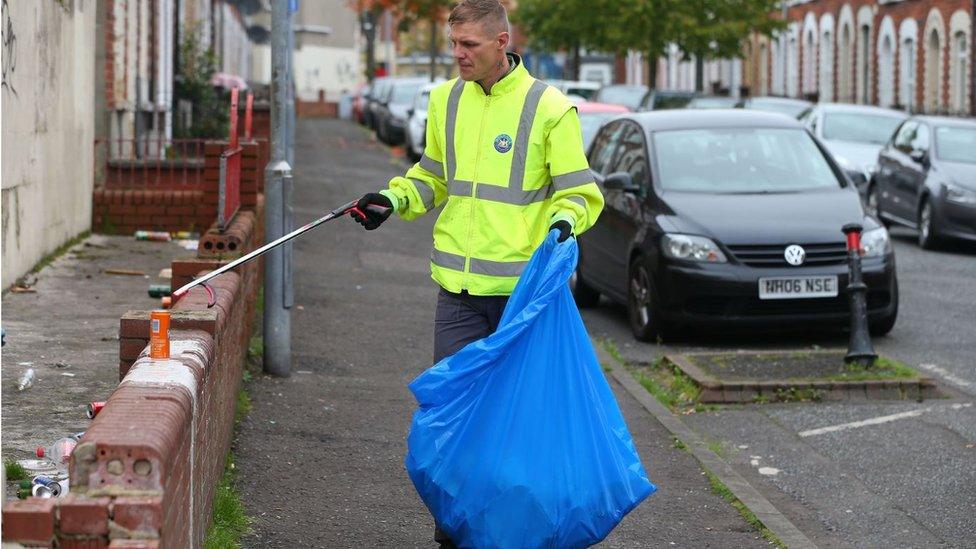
{"x":53,"y":485}
{"x":26,"y":380}
{"x":17,"y":289}
{"x":94,"y":408}
{"x":42,"y":491}
{"x":159,"y":335}
{"x":166,"y":273}
{"x":67,"y":374}
{"x":189,"y":244}
{"x":166,"y":302}
{"x":127,"y":272}
{"x":59,"y":453}
{"x":35,"y":467}
{"x":159,"y":290}
{"x":155,"y":236}
{"x":186,"y":235}
{"x":518,"y":440}
{"x":78,"y":435}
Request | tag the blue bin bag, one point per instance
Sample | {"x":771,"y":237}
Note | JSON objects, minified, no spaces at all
{"x":518,"y":440}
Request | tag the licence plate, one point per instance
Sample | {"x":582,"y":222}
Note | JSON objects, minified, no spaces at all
{"x":796,"y":287}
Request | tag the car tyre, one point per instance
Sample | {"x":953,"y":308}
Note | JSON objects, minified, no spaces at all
{"x":926,"y":238}
{"x":584,"y":294}
{"x":874,"y":205}
{"x":641,"y":309}
{"x":887,"y":322}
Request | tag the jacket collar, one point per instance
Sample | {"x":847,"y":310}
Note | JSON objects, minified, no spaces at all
{"x":508,"y":83}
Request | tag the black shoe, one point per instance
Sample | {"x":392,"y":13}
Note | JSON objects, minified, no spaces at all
{"x":440,"y":536}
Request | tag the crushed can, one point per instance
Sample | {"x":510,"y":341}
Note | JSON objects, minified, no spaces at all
{"x":51,"y":484}
{"x":93,"y":409}
{"x":159,"y":335}
{"x":157,"y":236}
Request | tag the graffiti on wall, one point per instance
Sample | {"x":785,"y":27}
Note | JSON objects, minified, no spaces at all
{"x":9,"y":38}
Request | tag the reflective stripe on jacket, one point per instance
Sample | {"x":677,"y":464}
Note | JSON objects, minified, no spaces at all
{"x":508,"y":164}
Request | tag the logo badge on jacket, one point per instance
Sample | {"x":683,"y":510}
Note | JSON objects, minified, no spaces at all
{"x":503,"y":143}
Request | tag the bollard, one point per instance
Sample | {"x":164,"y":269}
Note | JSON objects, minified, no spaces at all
{"x":859,"y":350}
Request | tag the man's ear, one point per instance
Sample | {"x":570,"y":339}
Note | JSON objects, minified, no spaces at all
{"x":503,"y":40}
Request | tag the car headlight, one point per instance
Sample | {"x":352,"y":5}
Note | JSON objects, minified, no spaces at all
{"x":960,"y":195}
{"x":875,"y":242}
{"x":692,"y":248}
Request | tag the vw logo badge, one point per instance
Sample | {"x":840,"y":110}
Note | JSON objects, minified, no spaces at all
{"x":795,"y":255}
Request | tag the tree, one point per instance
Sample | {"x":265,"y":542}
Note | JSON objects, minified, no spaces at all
{"x":434,"y":12}
{"x":712,"y":29}
{"x":210,"y":112}
{"x":369,"y":15}
{"x":553,"y":26}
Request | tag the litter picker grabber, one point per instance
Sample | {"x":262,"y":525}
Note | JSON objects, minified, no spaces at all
{"x":202,"y":281}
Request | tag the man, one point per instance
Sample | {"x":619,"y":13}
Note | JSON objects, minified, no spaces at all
{"x":505,"y":152}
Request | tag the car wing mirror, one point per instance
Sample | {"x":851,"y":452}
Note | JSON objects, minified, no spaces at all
{"x":410,"y":112}
{"x":621,"y":181}
{"x":920,"y":156}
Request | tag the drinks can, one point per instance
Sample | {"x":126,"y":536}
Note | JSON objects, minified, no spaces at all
{"x":52,"y":485}
{"x":93,"y":409}
{"x":159,"y":335}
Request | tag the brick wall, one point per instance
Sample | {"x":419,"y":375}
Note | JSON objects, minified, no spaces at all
{"x":316,"y":109}
{"x":194,"y":207}
{"x":145,"y":472}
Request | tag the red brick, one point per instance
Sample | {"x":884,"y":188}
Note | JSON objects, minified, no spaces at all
{"x":82,"y":515}
{"x":130,"y":348}
{"x":134,"y":544}
{"x":139,"y":513}
{"x":84,"y":543}
{"x":29,"y":521}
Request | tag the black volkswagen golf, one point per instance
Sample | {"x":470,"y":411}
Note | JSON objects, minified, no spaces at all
{"x":726,"y":219}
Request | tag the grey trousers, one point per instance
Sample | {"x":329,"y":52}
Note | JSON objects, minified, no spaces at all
{"x":463,"y":318}
{"x":459,"y":320}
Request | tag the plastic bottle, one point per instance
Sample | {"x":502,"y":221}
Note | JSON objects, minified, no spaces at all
{"x":59,"y":453}
{"x":26,"y":380}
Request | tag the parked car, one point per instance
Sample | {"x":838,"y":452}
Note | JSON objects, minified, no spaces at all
{"x":783,"y":105}
{"x":927,"y":179}
{"x":379,"y":89}
{"x":592,"y":117}
{"x":726,"y":219}
{"x":416,"y":134}
{"x":391,"y":111}
{"x":619,"y":94}
{"x":584,"y":90}
{"x":657,"y":100}
{"x":712,"y":102}
{"x":359,"y":104}
{"x":854,"y":134}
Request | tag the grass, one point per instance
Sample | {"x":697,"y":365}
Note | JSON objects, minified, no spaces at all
{"x":721,"y":489}
{"x":883,"y":368}
{"x":14,"y":470}
{"x":46,"y":260}
{"x":669,"y":385}
{"x":230,"y":522}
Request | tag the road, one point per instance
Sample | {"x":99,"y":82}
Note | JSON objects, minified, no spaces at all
{"x":908,"y":480}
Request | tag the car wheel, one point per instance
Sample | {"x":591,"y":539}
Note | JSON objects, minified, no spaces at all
{"x":584,"y":294}
{"x":874,"y":205}
{"x":887,"y":322}
{"x":926,"y":238}
{"x":640,"y":303}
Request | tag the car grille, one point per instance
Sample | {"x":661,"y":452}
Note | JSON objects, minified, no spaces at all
{"x":753,"y":306}
{"x":766,"y":255}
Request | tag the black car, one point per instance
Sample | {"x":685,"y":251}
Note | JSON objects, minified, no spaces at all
{"x":926,"y":179}
{"x":726,"y":218}
{"x":390,"y":116}
{"x":657,"y":100}
{"x":380,"y":88}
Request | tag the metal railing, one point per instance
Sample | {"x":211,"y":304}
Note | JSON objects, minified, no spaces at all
{"x":149,"y":163}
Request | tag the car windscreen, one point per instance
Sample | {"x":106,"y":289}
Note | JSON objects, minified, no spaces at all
{"x":859,"y":127}
{"x":712,"y":103}
{"x":664,"y":101}
{"x":741,"y":160}
{"x":585,"y":93}
{"x":628,"y":96}
{"x":591,"y":122}
{"x":404,"y":93}
{"x":956,"y":144}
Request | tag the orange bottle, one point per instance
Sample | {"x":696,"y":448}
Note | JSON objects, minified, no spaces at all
{"x":159,"y":334}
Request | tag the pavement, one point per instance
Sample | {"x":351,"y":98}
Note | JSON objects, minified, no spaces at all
{"x":67,"y":331}
{"x":320,"y":456}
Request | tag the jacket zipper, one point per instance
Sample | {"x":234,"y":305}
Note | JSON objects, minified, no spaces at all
{"x":474,"y":193}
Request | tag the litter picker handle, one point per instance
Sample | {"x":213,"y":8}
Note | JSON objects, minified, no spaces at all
{"x":338,"y":212}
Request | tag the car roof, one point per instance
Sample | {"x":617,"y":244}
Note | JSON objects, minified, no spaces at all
{"x":690,"y":119}
{"x":783,"y":100}
{"x":865,"y":109}
{"x":947,"y":120}
{"x":590,"y":107}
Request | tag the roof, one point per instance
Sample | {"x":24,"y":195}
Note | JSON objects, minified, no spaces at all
{"x":947,"y":120}
{"x":690,"y":119}
{"x":588,"y":107}
{"x":863,"y":109}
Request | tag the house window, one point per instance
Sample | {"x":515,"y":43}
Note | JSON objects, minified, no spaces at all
{"x":809,"y":64}
{"x":933,"y":73}
{"x":844,"y":65}
{"x":827,"y":66}
{"x":864,"y":65}
{"x":959,"y":75}
{"x":886,"y":73}
{"x":906,"y":91}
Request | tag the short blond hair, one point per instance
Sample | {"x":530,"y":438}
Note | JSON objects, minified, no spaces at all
{"x":490,"y":12}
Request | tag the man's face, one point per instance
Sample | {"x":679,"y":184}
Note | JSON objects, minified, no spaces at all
{"x":477,"y":50}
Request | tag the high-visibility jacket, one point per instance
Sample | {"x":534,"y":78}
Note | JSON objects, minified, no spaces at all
{"x":508,"y":164}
